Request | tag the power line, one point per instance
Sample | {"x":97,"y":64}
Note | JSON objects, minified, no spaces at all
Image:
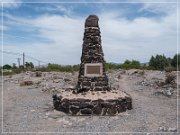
{"x":36,"y":59}
{"x":23,"y":60}
{"x":18,"y":59}
{"x":13,"y":53}
{"x":23,"y":54}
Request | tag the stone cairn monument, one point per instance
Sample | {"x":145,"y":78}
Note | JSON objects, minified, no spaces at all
{"x":92,"y":74}
{"x":92,"y":96}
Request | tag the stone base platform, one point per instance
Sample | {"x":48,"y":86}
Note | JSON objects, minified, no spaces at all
{"x":92,"y":102}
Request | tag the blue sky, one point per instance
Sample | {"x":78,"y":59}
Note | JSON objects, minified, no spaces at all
{"x":53,"y":32}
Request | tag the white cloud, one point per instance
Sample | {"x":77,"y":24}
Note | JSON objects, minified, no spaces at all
{"x":139,"y":38}
{"x":54,"y":7}
{"x":157,"y":8}
{"x":65,"y":33}
{"x":11,"y":3}
{"x":121,"y":38}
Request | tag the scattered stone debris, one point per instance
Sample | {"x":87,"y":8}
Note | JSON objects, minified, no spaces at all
{"x":172,"y":129}
{"x":57,"y":80}
{"x":138,"y":72}
{"x":38,"y":74}
{"x":26,"y":83}
{"x":170,"y":78}
{"x":166,"y":86}
{"x":67,"y":79}
{"x":119,"y":76}
{"x":165,"y":92}
{"x":166,"y":129}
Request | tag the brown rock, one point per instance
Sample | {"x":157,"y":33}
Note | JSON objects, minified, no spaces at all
{"x":86,"y":111}
{"x":26,"y":83}
{"x":112,"y":110}
{"x":97,"y":109}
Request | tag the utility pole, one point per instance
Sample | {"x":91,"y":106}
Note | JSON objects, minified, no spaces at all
{"x":23,"y":59}
{"x":18,"y":59}
{"x":39,"y":63}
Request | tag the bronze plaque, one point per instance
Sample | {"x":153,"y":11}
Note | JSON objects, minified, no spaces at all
{"x":93,"y":69}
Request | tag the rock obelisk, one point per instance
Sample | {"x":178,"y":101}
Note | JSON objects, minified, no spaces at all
{"x":92,"y":75}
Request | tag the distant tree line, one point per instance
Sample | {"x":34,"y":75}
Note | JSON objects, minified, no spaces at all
{"x":29,"y":66}
{"x":56,"y":67}
{"x":126,"y":65}
{"x":158,"y":62}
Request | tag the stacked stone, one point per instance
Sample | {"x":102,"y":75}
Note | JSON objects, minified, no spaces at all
{"x":92,"y":53}
{"x":92,"y":107}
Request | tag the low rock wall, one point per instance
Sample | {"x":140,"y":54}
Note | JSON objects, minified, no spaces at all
{"x":92,"y":107}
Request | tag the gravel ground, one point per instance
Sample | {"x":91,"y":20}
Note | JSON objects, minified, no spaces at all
{"x":29,"y":108}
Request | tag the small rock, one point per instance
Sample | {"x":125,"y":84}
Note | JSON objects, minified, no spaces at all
{"x":97,"y":109}
{"x":67,"y":79}
{"x":112,"y":110}
{"x":38,"y":74}
{"x":172,"y":129}
{"x":167,"y":92}
{"x":32,"y":110}
{"x":86,"y":111}
{"x":164,"y":129}
{"x":26,"y":83}
{"x":56,"y":80}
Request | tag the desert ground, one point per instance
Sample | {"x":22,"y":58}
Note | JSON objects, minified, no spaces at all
{"x":29,"y":108}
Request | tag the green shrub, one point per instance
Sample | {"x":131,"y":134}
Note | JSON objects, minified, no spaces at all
{"x":169,"y":69}
{"x":131,"y":64}
{"x":7,"y":66}
{"x":57,"y":68}
{"x":8,"y":73}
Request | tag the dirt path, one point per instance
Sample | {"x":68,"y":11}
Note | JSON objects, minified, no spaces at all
{"x":151,"y":111}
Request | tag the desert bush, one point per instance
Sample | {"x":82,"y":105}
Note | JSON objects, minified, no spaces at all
{"x":141,"y":73}
{"x":43,"y":69}
{"x":170,"y":78}
{"x":169,"y":69}
{"x":38,"y":74}
{"x":7,"y":67}
{"x":17,"y":71}
{"x":131,"y":64}
{"x":56,"y":67}
{"x":109,"y":66}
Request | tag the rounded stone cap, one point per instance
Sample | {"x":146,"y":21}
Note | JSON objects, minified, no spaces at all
{"x":92,"y":21}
